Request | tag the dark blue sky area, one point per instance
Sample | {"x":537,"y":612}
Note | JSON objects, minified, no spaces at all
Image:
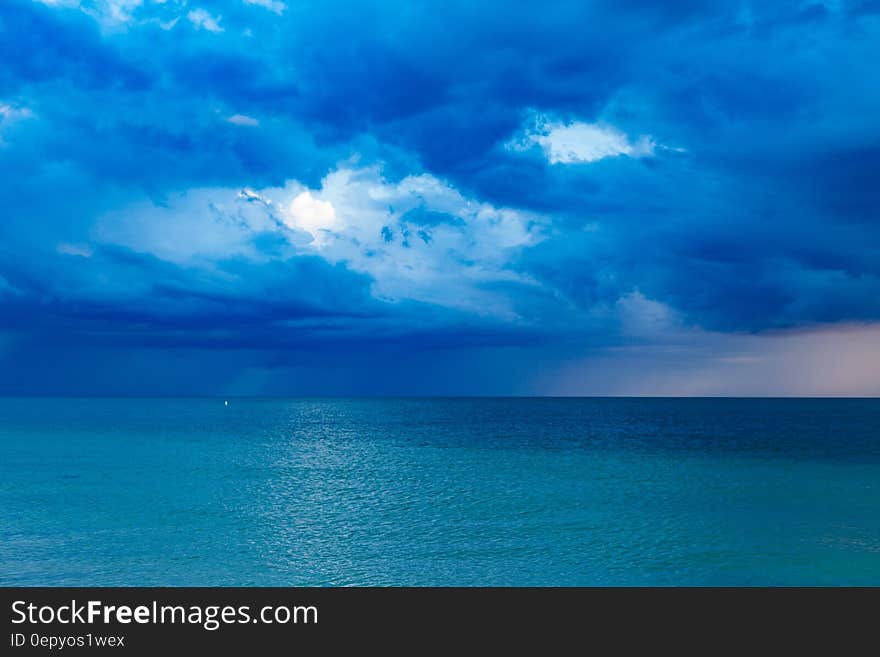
{"x":278,"y":197}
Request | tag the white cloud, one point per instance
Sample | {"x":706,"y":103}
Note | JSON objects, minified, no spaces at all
{"x":9,"y":115}
{"x":418,"y":238}
{"x":579,"y":142}
{"x":107,"y":12}
{"x":165,"y":25}
{"x":272,"y":5}
{"x":198,"y":227}
{"x":643,"y":317}
{"x":243,"y":120}
{"x":81,"y":250}
{"x":118,"y":11}
{"x":59,"y":3}
{"x":203,"y":20}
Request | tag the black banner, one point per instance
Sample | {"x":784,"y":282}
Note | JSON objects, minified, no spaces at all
{"x":257,"y":620}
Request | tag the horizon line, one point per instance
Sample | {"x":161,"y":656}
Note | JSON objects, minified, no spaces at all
{"x":438,"y":396}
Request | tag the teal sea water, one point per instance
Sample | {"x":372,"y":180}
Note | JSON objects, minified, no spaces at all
{"x":439,"y":492}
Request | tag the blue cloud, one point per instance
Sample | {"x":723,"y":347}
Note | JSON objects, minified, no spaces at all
{"x":279,"y":176}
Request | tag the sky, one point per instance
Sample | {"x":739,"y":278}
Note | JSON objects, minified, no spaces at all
{"x":282,"y":197}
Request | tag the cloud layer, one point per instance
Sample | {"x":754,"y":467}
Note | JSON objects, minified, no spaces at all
{"x":287,"y":179}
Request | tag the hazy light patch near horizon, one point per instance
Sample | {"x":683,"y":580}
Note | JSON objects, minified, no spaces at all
{"x":840,"y":361}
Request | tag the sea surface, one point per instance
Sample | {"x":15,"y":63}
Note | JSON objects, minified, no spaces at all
{"x":439,"y":492}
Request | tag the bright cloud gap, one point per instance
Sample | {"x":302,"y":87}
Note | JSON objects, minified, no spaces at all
{"x":579,"y":142}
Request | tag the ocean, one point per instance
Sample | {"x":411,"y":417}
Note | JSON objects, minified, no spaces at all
{"x":596,"y":491}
